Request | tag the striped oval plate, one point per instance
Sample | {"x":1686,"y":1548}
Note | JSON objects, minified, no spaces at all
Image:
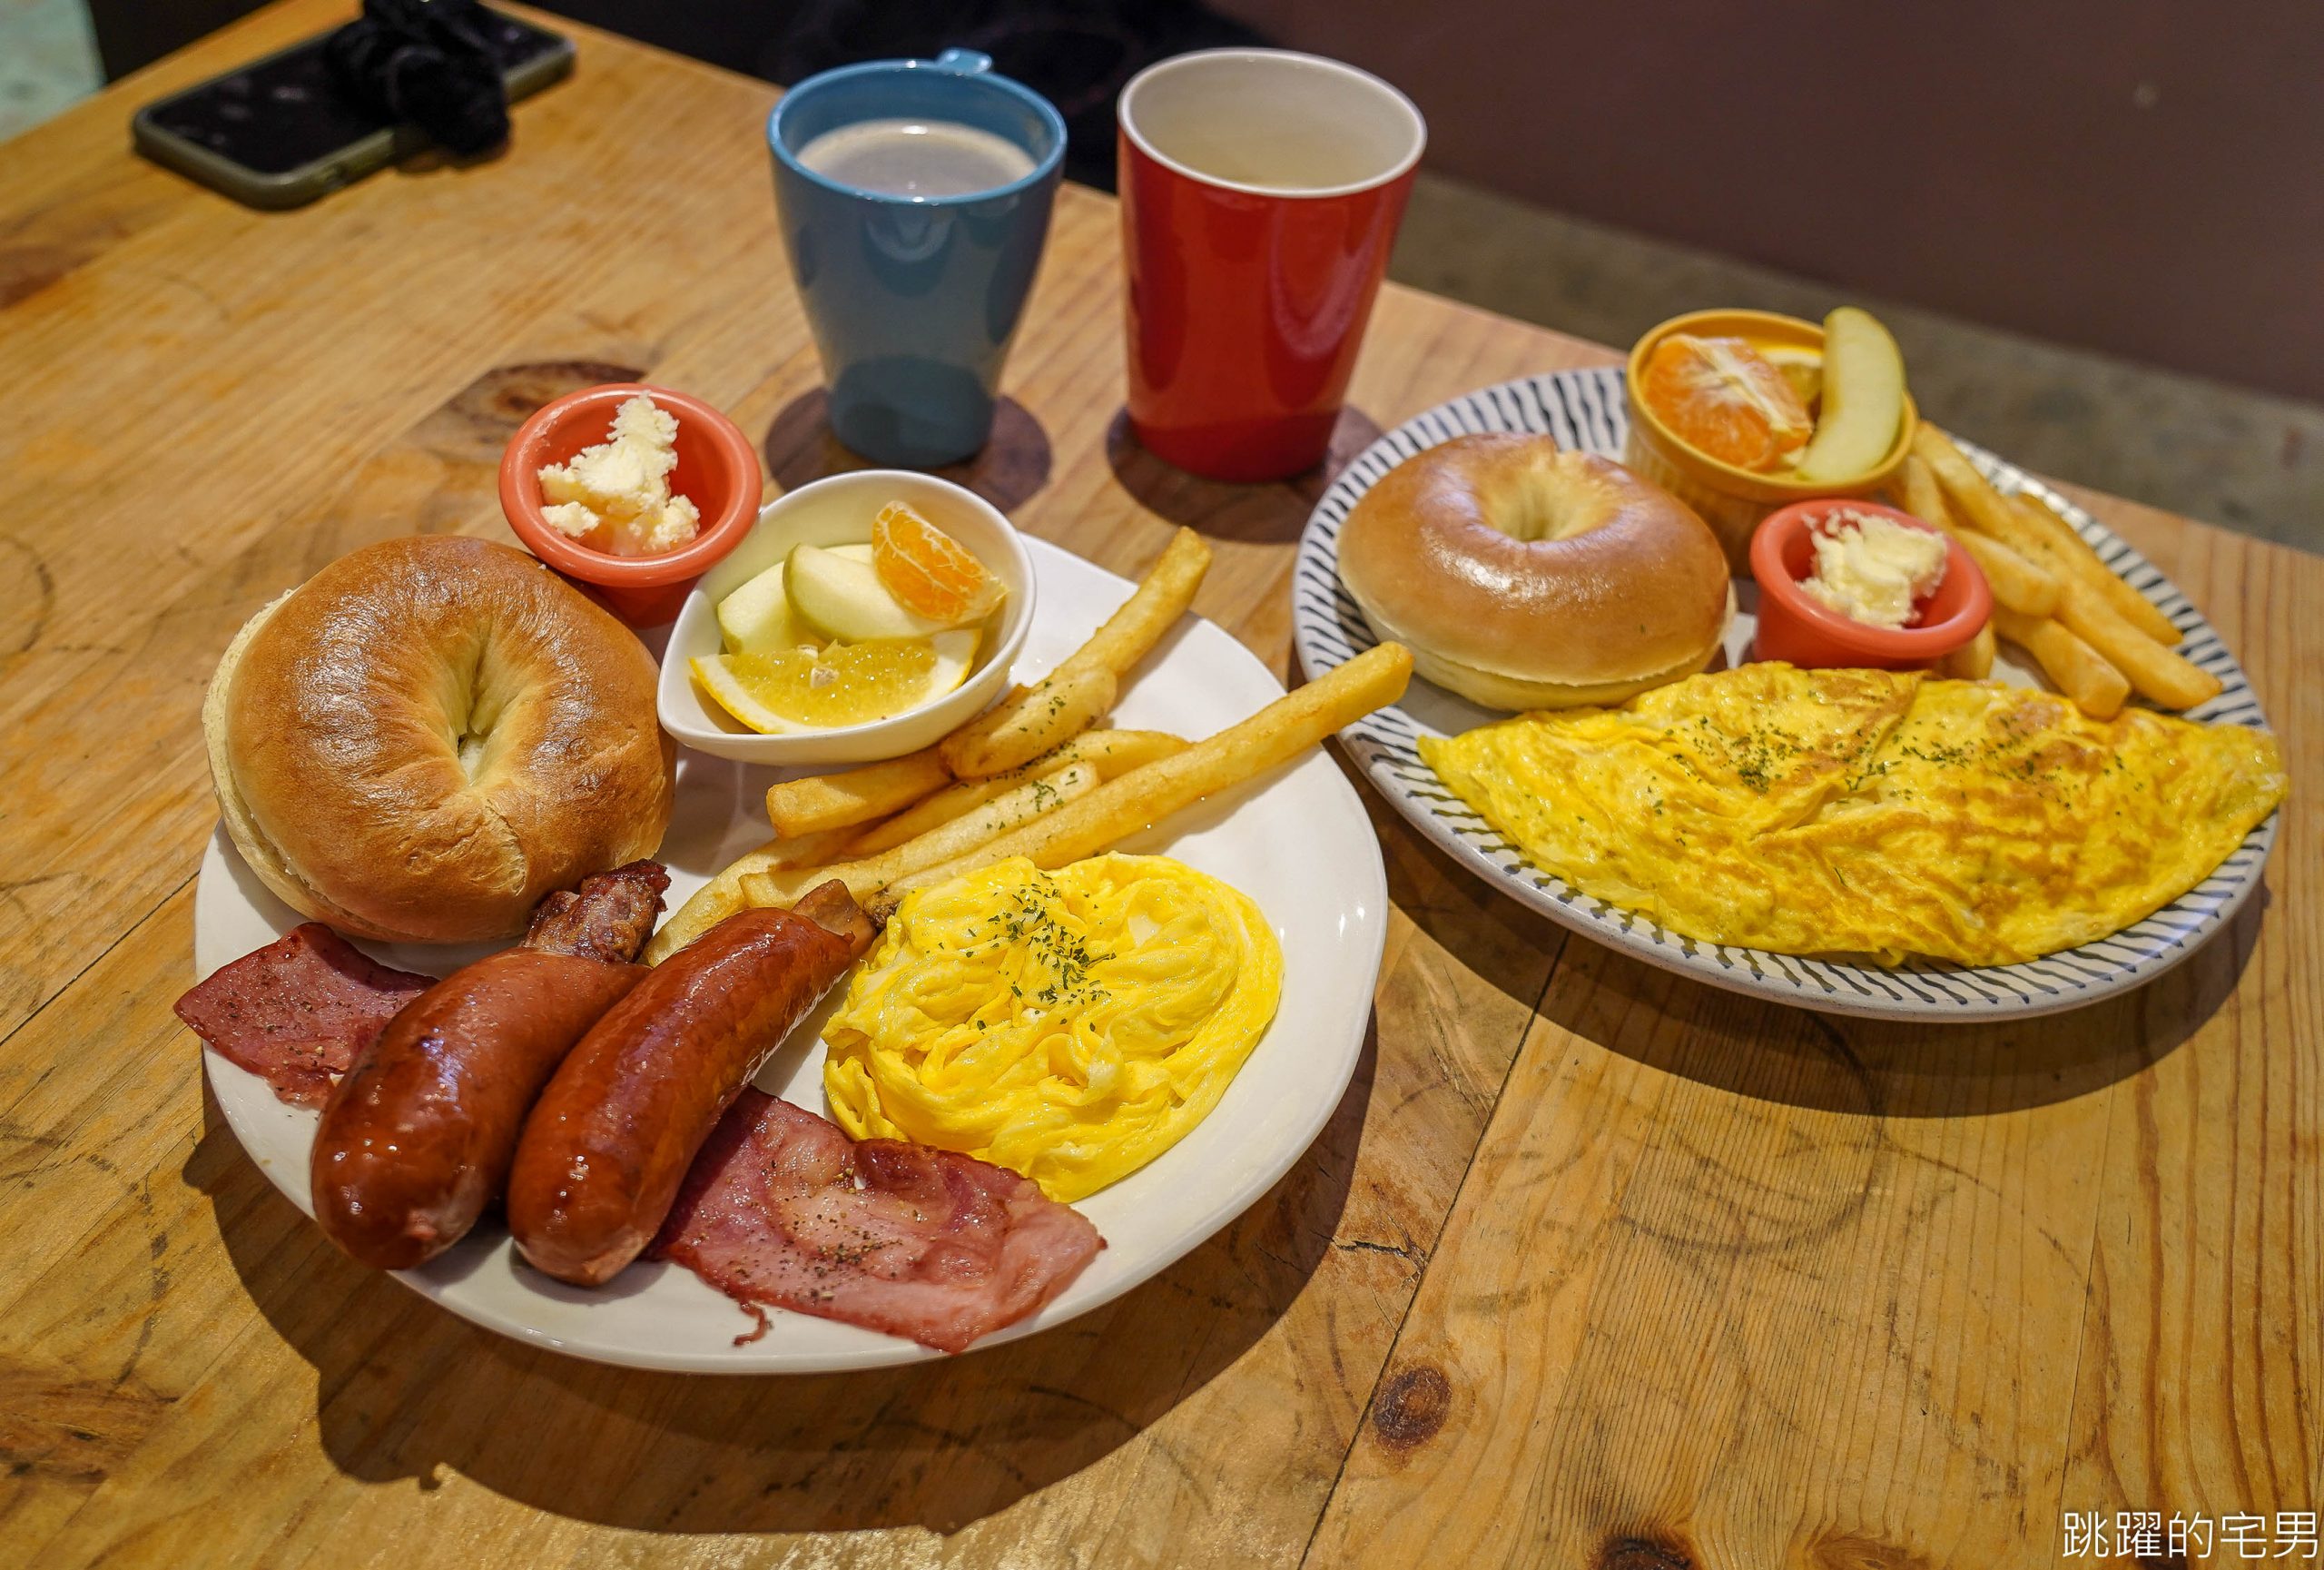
{"x":1584,"y":409}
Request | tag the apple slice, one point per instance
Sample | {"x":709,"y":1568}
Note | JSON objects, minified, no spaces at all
{"x":756,"y":618}
{"x":843,"y":597}
{"x":1863,"y":399}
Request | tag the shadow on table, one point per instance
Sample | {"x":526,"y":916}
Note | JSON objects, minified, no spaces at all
{"x":405,"y":1389}
{"x":1774,"y":1052}
{"x":1007,"y":471}
{"x":1270,"y":514}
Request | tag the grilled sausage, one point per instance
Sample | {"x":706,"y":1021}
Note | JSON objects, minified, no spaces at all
{"x":611,"y":1138}
{"x":417,"y":1139}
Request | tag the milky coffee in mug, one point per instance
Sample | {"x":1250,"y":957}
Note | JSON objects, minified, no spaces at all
{"x":896,"y":157}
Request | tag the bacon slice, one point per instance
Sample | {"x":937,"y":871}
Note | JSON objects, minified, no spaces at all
{"x":609,"y":917}
{"x":298,"y":1011}
{"x":782,"y":1208}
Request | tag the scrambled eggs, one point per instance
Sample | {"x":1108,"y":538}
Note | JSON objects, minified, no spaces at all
{"x":1871,"y":812}
{"x":1069,"y":1025}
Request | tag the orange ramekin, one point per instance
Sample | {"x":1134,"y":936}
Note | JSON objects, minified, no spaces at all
{"x":1804,"y":632}
{"x":718,"y":471}
{"x":1733,"y":500}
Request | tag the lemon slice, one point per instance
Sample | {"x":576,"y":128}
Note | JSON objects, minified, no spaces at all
{"x":1802,"y":368}
{"x":805,"y":688}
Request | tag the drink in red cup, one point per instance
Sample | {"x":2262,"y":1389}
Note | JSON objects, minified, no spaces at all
{"x":1260,"y":194}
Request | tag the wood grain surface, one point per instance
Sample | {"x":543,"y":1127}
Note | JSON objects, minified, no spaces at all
{"x":1594,"y":1267}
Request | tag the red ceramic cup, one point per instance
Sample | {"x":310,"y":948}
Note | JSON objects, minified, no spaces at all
{"x":718,"y":471}
{"x":1260,"y":194}
{"x":1803,"y":631}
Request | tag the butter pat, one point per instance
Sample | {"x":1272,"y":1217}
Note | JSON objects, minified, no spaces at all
{"x":615,"y":497}
{"x":1874,"y":569}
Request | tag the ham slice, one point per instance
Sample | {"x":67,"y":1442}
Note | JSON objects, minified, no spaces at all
{"x":782,"y":1208}
{"x":296,"y":1012}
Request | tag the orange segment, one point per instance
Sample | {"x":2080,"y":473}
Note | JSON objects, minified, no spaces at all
{"x":1722,"y":398}
{"x":928,"y":572}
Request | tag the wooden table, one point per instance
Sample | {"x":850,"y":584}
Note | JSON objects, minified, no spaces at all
{"x":1595,"y":1267}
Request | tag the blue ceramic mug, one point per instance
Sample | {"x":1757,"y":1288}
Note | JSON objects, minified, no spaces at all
{"x":913,"y":299}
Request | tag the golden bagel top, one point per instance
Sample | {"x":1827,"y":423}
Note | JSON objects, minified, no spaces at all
{"x":1869,"y":812}
{"x":1069,"y":1025}
{"x":430,"y":733}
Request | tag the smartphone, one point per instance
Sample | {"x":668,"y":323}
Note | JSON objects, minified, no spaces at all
{"x":277,"y":132}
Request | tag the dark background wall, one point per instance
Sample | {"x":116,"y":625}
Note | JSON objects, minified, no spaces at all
{"x":2144,"y":177}
{"x":2141,"y":176}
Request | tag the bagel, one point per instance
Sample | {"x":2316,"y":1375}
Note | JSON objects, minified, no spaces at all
{"x":429,"y":735}
{"x":1522,"y":577}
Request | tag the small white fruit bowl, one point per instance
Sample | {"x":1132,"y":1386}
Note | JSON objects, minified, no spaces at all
{"x":839,"y":511}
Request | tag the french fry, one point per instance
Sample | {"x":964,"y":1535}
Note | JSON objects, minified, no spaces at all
{"x":866,"y":878}
{"x":932,"y":812}
{"x":1162,"y":597}
{"x":2016,"y":582}
{"x":1063,"y":704}
{"x":2071,"y":554}
{"x":1027,"y":722}
{"x":2082,"y":673}
{"x":1032,"y":720}
{"x":1110,"y":752}
{"x":2154,"y":670}
{"x":1974,"y":500}
{"x":1974,"y":660}
{"x":721,"y":896}
{"x":1131,"y":802}
{"x":2030,"y":529}
{"x":858,"y":796}
{"x":2023,"y":585}
{"x":1113,"y":752}
{"x":1917,"y":492}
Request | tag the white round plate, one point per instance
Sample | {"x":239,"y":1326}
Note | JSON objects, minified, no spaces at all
{"x":1296,"y":841}
{"x":1584,"y":409}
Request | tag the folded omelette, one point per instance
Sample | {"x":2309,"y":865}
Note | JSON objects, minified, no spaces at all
{"x":1869,"y":812}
